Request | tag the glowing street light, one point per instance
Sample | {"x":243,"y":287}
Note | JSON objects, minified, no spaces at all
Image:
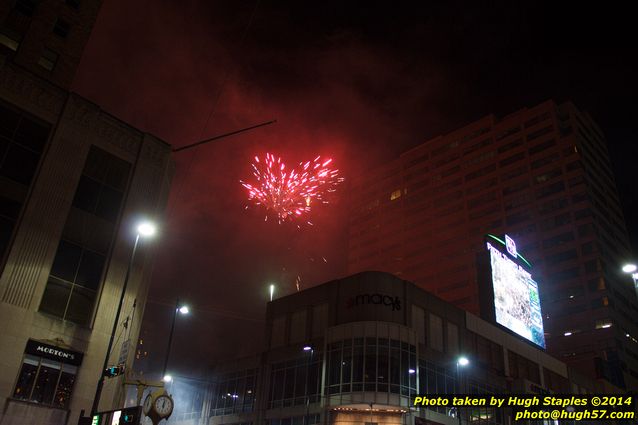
{"x":146,"y":229}
{"x":631,"y":269}
{"x":167,"y":378}
{"x":462,"y":362}
{"x":272,"y":291}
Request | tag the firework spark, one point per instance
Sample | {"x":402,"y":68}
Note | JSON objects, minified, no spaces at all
{"x":291,"y":193}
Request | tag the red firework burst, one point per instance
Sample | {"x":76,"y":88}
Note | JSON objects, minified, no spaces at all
{"x":291,"y":194}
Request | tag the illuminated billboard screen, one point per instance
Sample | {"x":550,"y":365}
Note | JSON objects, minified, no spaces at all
{"x":516,"y":302}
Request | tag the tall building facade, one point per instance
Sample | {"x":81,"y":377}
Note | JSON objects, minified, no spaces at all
{"x":540,"y":175}
{"x":74,"y":180}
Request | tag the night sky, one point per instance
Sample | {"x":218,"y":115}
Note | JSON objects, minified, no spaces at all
{"x":357,"y":81}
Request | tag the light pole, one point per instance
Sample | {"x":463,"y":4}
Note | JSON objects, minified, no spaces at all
{"x":181,"y":309}
{"x":460,"y":362}
{"x":631,"y":269}
{"x":308,"y":348}
{"x":144,"y":229}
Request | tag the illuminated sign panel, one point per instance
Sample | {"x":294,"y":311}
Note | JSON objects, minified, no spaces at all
{"x":511,"y":246}
{"x":516,"y":301}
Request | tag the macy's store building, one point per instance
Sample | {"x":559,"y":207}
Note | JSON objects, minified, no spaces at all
{"x":358,"y":349}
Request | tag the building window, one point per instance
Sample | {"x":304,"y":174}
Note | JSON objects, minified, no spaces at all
{"x":452,"y":338}
{"x":26,"y":7}
{"x":278,"y":332}
{"x":235,"y":393}
{"x":544,"y":161}
{"x":296,"y":382}
{"x":102,"y":185}
{"x":395,"y":195}
{"x":9,"y":211}
{"x":521,"y":367}
{"x":22,"y":140}
{"x":509,"y":146}
{"x":435,"y":334}
{"x":371,"y":364}
{"x":10,"y":39}
{"x":47,"y":374}
{"x":61,"y":28}
{"x":512,"y":159}
{"x":538,"y":133}
{"x":505,"y":134}
{"x":73,"y":284}
{"x":48,"y":59}
{"x":298,"y":326}
{"x":45,"y":381}
{"x":551,"y":189}
{"x":79,"y":262}
{"x":548,"y":176}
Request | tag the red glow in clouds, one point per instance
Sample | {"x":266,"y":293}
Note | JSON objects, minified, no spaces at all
{"x":290,"y":193}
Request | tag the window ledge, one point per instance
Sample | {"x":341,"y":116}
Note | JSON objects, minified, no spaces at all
{"x":35,"y":403}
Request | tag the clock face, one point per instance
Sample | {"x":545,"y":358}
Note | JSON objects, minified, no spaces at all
{"x":147,"y":404}
{"x":164,"y":406}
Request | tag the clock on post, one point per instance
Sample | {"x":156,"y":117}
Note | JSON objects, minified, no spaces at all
{"x":158,"y":405}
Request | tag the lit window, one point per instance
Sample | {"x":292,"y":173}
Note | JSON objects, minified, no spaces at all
{"x":47,"y":375}
{"x":10,"y":39}
{"x":48,"y":59}
{"x":395,"y":195}
{"x":603,"y":324}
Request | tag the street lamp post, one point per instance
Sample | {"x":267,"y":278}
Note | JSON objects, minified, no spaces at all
{"x":312,"y":351}
{"x":145,"y":229}
{"x":460,"y":362}
{"x":631,"y":269}
{"x":178,"y":309}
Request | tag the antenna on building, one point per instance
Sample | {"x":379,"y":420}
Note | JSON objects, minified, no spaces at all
{"x":221,"y":136}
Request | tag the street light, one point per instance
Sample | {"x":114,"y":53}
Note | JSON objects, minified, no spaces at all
{"x":460,"y":362}
{"x":183,"y":310}
{"x":272,"y":291}
{"x":307,"y":348}
{"x":144,"y":229}
{"x":631,"y":269}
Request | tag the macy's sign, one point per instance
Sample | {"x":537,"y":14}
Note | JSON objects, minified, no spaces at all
{"x":375,"y":299}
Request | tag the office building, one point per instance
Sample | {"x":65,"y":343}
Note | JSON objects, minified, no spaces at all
{"x":74,"y":181}
{"x":359,"y":349}
{"x":540,"y":175}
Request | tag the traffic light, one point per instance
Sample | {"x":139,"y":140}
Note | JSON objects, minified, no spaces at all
{"x":130,"y":416}
{"x":112,"y":371}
